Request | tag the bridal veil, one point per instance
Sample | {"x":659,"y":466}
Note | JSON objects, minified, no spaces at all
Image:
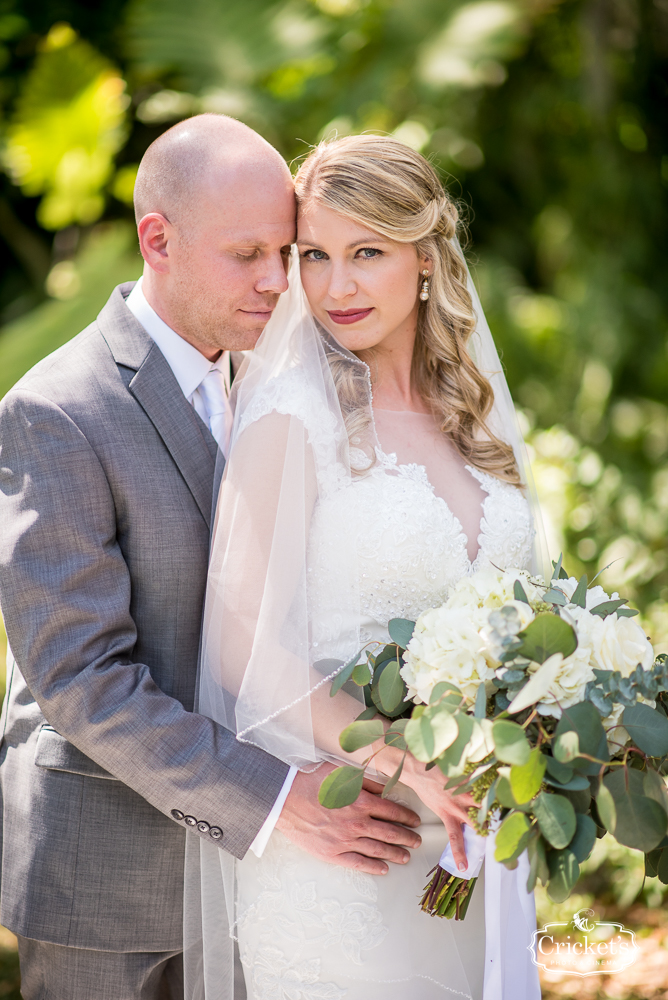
{"x":303,"y":430}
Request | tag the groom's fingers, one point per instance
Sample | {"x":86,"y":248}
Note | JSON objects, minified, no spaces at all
{"x":361,"y":864}
{"x":385,"y":809}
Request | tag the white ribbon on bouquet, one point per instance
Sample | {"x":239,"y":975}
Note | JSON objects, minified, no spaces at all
{"x":510,"y":971}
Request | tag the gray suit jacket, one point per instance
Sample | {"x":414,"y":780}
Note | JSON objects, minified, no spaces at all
{"x":106,"y":486}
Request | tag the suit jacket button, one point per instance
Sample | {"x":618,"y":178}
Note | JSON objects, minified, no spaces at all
{"x":215,"y":833}
{"x":177,"y":814}
{"x":190,"y":821}
{"x":203,"y":826}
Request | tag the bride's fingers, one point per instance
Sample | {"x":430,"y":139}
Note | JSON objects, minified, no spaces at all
{"x":456,"y":835}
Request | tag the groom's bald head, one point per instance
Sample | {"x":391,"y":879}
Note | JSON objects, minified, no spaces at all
{"x":215,"y":211}
{"x":196,"y":161}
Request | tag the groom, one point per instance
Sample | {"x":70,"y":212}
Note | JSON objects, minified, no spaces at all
{"x":107,"y":456}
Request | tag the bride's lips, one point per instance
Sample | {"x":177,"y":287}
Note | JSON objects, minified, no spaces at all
{"x":345,"y":316}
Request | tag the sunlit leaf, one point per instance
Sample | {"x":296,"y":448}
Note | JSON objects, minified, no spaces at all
{"x":341,"y":787}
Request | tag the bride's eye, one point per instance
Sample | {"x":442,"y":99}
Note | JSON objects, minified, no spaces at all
{"x":314,"y":255}
{"x":368,"y":253}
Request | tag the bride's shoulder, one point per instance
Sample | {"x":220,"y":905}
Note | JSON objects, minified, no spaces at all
{"x":290,"y":393}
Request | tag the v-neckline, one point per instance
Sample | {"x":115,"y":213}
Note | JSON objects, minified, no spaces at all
{"x":389,"y":461}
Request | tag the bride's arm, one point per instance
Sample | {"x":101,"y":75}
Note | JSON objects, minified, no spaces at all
{"x":256,"y":620}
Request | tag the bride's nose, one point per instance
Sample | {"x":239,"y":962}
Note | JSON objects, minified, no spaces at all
{"x":341,"y":284}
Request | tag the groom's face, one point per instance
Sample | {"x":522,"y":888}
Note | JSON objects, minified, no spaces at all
{"x":227,"y":258}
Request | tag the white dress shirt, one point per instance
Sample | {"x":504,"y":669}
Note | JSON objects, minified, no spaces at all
{"x":190,"y":368}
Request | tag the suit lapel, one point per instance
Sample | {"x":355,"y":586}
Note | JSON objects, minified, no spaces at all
{"x":189,"y":442}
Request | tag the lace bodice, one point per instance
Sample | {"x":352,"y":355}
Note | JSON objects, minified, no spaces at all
{"x":410,"y":548}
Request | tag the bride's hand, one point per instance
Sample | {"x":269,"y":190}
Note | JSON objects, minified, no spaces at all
{"x":451,"y":809}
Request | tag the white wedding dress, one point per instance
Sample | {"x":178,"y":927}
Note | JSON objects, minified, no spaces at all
{"x":419,"y":520}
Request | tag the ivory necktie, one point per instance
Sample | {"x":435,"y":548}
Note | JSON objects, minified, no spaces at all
{"x":214,"y":393}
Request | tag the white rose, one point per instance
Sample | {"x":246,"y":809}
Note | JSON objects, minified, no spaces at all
{"x":568,"y":686}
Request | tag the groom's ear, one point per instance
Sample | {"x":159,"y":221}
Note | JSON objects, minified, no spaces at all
{"x":155,"y":231}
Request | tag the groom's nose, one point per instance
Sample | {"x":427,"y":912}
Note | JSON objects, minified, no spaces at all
{"x":273,"y":277}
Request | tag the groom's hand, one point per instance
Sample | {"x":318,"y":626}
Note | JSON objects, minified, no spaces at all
{"x":364,"y":836}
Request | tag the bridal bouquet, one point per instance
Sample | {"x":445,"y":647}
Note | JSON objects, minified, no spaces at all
{"x":545,"y":702}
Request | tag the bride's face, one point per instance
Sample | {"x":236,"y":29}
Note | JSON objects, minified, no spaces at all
{"x":361,"y":286}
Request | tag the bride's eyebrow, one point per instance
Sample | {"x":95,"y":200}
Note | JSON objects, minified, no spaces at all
{"x":372,"y":238}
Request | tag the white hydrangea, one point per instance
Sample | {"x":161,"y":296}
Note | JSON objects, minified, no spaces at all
{"x":450,"y":643}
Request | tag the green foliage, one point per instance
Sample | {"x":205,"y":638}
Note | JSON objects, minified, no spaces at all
{"x":546,"y":635}
{"x":584,"y":720}
{"x":634,"y":819}
{"x":526,"y":779}
{"x":511,"y":837}
{"x":556,"y":819}
{"x":647,"y":728}
{"x":341,"y":787}
{"x":431,"y":733}
{"x":510,"y":743}
{"x":66,"y":130}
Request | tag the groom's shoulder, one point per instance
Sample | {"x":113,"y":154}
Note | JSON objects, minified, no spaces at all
{"x":90,"y":366}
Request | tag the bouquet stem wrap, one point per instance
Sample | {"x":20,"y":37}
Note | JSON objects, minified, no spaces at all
{"x":507,"y":972}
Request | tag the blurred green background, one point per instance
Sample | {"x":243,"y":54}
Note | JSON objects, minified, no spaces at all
{"x":548,"y":120}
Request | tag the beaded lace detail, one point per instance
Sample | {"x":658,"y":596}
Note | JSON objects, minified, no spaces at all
{"x":410,"y":546}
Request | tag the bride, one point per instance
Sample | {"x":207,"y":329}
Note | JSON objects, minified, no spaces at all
{"x":374,"y":462}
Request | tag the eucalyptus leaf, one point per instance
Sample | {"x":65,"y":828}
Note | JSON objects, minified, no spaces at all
{"x":577,"y":783}
{"x":344,"y":675}
{"x":341,"y":787}
{"x":401,"y":631}
{"x":519,"y":592}
{"x":560,"y":772}
{"x":566,"y":747}
{"x":554,"y":596}
{"x":608,"y":607}
{"x":556,"y":818}
{"x":361,"y":734}
{"x":430,"y":734}
{"x":654,"y":787}
{"x":546,"y":635}
{"x":526,"y":779}
{"x":511,"y":837}
{"x":584,"y":720}
{"x":361,"y":674}
{"x":584,"y":839}
{"x":391,"y":782}
{"x":390,"y":689}
{"x":510,"y":743}
{"x":538,"y":868}
{"x":368,"y":713}
{"x":487,"y":802}
{"x":564,"y":873}
{"x":647,"y":728}
{"x":480,"y":709}
{"x":450,"y":761}
{"x":579,"y":597}
{"x":639,"y":822}
{"x":627,"y":612}
{"x":556,"y":567}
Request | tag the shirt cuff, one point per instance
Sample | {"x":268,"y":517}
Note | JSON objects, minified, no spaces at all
{"x":265,"y":832}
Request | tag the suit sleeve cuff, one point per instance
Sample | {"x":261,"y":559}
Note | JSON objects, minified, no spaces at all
{"x":265,"y":832}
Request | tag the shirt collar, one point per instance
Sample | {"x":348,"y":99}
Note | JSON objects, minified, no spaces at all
{"x":188,"y":365}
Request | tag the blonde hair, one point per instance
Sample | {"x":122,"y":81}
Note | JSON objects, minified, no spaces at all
{"x":391,"y":189}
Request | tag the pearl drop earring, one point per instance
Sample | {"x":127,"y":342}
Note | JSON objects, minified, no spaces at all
{"x":424,"y":293}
